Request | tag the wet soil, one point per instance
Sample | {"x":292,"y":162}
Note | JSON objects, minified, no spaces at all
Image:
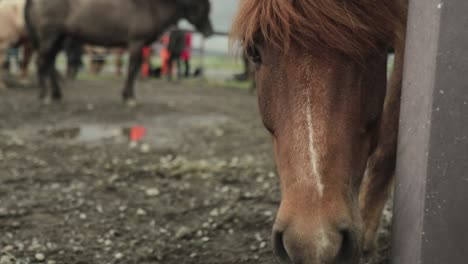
{"x":198,"y":187}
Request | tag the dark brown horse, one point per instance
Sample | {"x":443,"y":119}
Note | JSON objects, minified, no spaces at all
{"x":112,"y":23}
{"x":321,"y":72}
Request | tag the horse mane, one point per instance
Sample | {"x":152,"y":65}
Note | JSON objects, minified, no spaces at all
{"x":353,"y":27}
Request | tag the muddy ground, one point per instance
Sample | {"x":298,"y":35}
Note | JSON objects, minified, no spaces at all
{"x":200,"y":186}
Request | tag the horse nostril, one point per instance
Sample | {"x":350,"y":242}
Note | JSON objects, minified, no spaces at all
{"x":349,"y":245}
{"x":278,"y":246}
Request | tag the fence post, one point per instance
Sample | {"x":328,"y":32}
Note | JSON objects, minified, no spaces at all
{"x":202,"y":56}
{"x":431,"y":196}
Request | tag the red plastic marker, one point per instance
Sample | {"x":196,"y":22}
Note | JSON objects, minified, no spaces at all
{"x":137,"y":133}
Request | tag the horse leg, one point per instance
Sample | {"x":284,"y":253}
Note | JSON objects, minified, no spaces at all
{"x":41,"y":74}
{"x":378,"y":179}
{"x":187,"y":68}
{"x":170,"y":64}
{"x":28,"y":51}
{"x":136,"y":58}
{"x":3,"y":60}
{"x":179,"y":69}
{"x":53,"y":73}
{"x":46,"y":67}
{"x":118,"y":62}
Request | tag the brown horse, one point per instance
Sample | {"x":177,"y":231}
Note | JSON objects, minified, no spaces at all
{"x":322,"y":89}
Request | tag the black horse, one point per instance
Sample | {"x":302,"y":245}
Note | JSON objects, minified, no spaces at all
{"x":111,"y":23}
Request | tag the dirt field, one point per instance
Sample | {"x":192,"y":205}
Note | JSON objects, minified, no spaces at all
{"x":199,"y":188}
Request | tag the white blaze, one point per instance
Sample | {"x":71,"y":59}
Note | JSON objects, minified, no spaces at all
{"x":313,"y":157}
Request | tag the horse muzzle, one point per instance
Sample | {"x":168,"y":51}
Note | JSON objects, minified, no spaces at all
{"x":296,"y":245}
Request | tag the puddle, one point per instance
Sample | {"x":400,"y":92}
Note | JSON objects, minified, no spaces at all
{"x":111,"y":134}
{"x":88,"y":133}
{"x":161,"y":132}
{"x":97,"y":133}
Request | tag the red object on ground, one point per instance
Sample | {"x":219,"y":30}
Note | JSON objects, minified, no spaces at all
{"x":137,"y":133}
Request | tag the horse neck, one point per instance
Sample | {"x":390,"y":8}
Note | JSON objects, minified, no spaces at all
{"x":168,"y":13}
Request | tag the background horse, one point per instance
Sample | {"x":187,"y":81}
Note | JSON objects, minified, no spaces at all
{"x":321,"y":72}
{"x":12,"y":27}
{"x":110,"y":23}
{"x":74,"y":51}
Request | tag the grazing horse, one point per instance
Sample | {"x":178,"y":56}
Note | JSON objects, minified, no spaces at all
{"x":321,"y":74}
{"x":12,"y":27}
{"x":111,"y":23}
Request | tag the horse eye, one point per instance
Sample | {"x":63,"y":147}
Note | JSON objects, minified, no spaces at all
{"x":254,"y":55}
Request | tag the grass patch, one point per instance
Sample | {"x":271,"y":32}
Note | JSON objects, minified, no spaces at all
{"x":219,"y":84}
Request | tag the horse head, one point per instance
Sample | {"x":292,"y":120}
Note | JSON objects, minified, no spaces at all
{"x":197,"y":12}
{"x":321,"y":85}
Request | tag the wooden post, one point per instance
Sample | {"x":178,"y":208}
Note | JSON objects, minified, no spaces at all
{"x":431,"y":197}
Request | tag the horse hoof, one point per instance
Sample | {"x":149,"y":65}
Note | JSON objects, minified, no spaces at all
{"x":131,"y":103}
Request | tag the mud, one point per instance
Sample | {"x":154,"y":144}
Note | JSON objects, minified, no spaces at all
{"x":199,"y":187}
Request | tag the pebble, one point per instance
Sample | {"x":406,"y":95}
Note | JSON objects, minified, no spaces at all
{"x":144,"y":148}
{"x":113,"y":178}
{"x":3,"y":211}
{"x":219,"y":132}
{"x":6,"y":259}
{"x":133,"y":144}
{"x":8,"y":248}
{"x":182,"y":232}
{"x":268,"y":213}
{"x":141,"y":211}
{"x":258,"y":237}
{"x":214,"y":212}
{"x":39,"y":257}
{"x":118,"y":255}
{"x":152,"y":192}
